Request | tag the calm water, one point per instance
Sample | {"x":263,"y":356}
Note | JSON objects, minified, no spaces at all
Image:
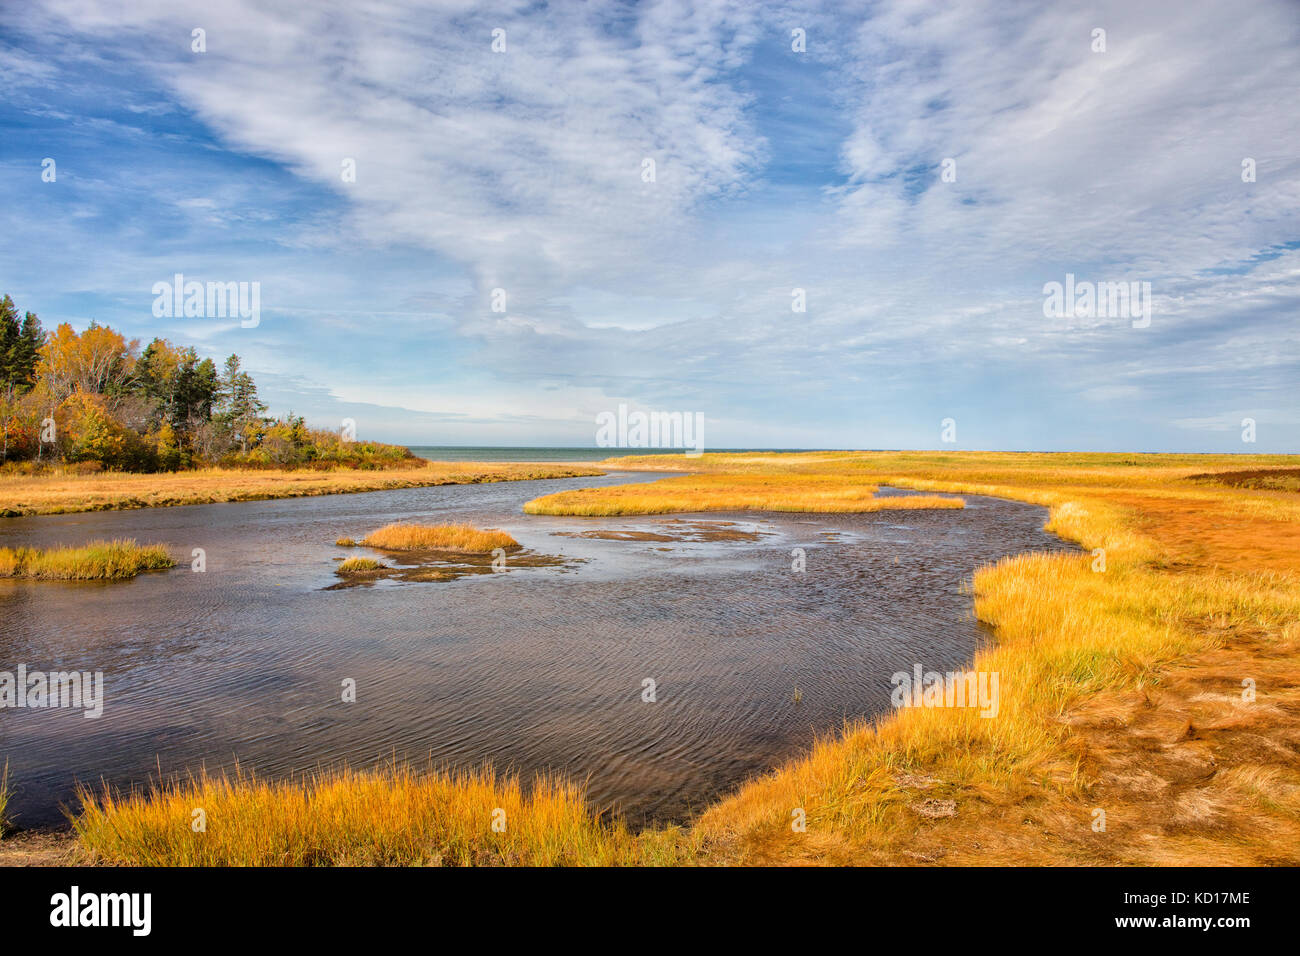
{"x":535,"y":668}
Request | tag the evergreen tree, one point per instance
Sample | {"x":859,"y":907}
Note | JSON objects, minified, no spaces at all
{"x":10,"y":344}
{"x":193,"y":392}
{"x":19,"y":345}
{"x":181,"y":388}
{"x":240,"y":408}
{"x":31,"y":338}
{"x":206,"y":387}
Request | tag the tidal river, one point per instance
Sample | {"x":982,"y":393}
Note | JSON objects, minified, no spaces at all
{"x":530,"y":669}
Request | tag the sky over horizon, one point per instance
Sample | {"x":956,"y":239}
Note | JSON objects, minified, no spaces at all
{"x":919,"y":172}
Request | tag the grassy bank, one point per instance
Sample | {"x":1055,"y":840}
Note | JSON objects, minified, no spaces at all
{"x":1149,"y":712}
{"x":96,"y":561}
{"x":383,"y":818}
{"x":59,"y":493}
{"x":444,"y":537}
{"x":733,"y":491}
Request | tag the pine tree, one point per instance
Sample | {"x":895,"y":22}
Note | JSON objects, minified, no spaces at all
{"x":205,"y":390}
{"x":240,"y":408}
{"x":30,"y":340}
{"x":193,"y":391}
{"x":9,"y":334}
{"x":10,"y":344}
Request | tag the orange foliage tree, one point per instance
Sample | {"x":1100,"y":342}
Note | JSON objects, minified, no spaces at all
{"x":99,"y":361}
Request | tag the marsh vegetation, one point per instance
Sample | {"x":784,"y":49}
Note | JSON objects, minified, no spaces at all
{"x":96,"y":561}
{"x":67,"y":490}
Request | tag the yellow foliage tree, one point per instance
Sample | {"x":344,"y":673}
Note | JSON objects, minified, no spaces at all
{"x":97,"y":361}
{"x":88,"y":432}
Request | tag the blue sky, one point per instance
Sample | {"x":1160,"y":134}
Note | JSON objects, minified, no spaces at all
{"x":775,"y":170}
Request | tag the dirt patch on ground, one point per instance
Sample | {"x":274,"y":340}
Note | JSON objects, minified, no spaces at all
{"x":1210,"y":753}
{"x":438,"y":566}
{"x":1233,"y":541}
{"x":1260,"y":479}
{"x":40,"y":848}
{"x":1188,"y":771}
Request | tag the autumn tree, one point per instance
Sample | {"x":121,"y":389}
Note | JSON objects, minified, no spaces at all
{"x":114,"y":406}
{"x":19,"y":346}
{"x":99,"y":361}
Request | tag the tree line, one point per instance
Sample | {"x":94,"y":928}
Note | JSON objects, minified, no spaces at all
{"x":96,"y":400}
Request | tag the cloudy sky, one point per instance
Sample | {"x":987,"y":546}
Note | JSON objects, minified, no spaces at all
{"x":775,"y":169}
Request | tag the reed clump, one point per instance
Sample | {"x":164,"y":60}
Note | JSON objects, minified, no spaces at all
{"x":97,"y":561}
{"x":388,"y":817}
{"x":443,"y":537}
{"x":358,"y":566}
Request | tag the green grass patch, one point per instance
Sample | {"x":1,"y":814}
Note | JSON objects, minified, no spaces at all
{"x":358,"y":566}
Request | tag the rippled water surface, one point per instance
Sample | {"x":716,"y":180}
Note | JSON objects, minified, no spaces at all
{"x":531,"y":669}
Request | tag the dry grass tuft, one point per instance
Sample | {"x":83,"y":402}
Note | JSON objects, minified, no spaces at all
{"x":96,"y":561}
{"x":380,"y":818}
{"x":345,"y":543}
{"x":358,"y":566}
{"x":443,"y":537}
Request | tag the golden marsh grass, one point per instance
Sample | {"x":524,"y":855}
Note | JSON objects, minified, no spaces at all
{"x":442,"y":537}
{"x":96,"y":561}
{"x":810,"y":492}
{"x":62,"y":492}
{"x":387,"y":817}
{"x":358,"y":566}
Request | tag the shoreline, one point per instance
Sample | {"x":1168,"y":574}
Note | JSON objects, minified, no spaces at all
{"x":24,"y":496}
{"x":43,"y":846}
